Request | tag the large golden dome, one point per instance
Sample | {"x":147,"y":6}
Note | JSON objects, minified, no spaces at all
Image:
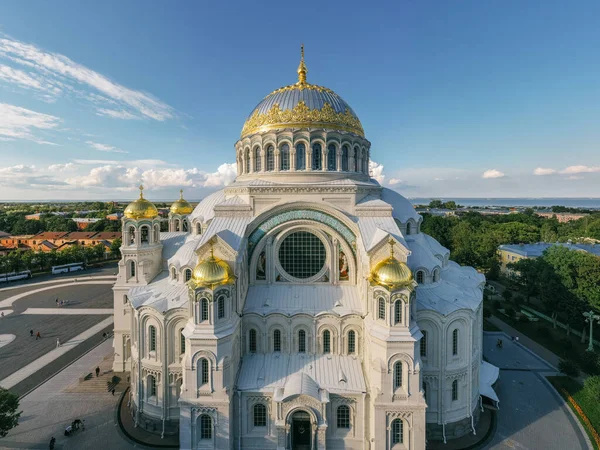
{"x":390,"y":272}
{"x":141,"y":208}
{"x":181,"y":206}
{"x":212,"y":272}
{"x":302,"y":105}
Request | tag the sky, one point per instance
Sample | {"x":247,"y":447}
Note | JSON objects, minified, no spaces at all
{"x":459,"y":99}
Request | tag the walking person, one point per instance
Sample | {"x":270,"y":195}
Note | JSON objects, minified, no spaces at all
{"x":56,"y":301}
{"x":31,"y":333}
{"x":113,"y":392}
{"x":57,"y":342}
{"x":38,"y":336}
{"x":52,"y":442}
{"x":97,"y":371}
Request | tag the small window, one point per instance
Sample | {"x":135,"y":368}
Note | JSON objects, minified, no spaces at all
{"x":455,"y":342}
{"x":188,"y":275}
{"x":252,"y":341}
{"x":317,"y":157}
{"x":205,"y":427}
{"x":247,"y":160}
{"x":302,"y":341}
{"x":423,"y":344}
{"x":132,"y":268}
{"x":425,"y":390}
{"x":326,"y":341}
{"x":345,"y":158}
{"x":397,"y":431}
{"x":260,"y":415}
{"x":397,"y":375}
{"x":173,"y":273}
{"x":125,"y":299}
{"x":221,"y":307}
{"x":204,"y":307}
{"x":454,"y":390}
{"x":284,"y":157}
{"x":351,"y":342}
{"x":152,"y":330}
{"x":331,"y":158}
{"x":152,"y":386}
{"x":257,"y":165}
{"x":343,"y":417}
{"x":408,"y":228}
{"x":398,"y":304}
{"x":198,"y":228}
{"x":270,"y":158}
{"x":381,"y":308}
{"x":277,"y":341}
{"x":131,"y":236}
{"x":300,"y":157}
{"x":145,"y":235}
{"x":420,"y":276}
{"x":181,"y":342}
{"x":436,"y":275}
{"x":204,"y":369}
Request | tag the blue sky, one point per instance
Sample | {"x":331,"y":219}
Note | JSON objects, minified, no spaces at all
{"x":470,"y":98}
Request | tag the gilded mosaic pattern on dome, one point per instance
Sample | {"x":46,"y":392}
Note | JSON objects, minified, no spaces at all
{"x":302,"y":86}
{"x":300,"y":214}
{"x":301,"y":116}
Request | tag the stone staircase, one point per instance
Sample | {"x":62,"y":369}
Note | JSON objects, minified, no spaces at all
{"x":105,"y":382}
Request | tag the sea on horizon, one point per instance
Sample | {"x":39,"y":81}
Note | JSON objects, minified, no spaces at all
{"x":587,"y":203}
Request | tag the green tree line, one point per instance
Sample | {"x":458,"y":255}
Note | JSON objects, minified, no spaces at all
{"x":16,"y":224}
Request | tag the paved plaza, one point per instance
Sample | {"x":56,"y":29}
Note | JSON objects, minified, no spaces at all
{"x":532,"y":415}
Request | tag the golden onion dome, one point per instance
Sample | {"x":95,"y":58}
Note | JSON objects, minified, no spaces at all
{"x":212,"y":271}
{"x":141,"y":208}
{"x":390,"y":272}
{"x":302,"y":105}
{"x":181,"y":206}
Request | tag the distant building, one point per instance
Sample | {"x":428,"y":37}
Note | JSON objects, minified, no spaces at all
{"x":83,"y":222}
{"x":59,"y":240}
{"x":512,"y":253}
{"x":114,"y":216}
{"x":562,"y":217}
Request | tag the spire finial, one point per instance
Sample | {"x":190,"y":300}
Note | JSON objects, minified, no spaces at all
{"x":302,"y":70}
{"x":141,"y":191}
{"x":180,"y":194}
{"x":392,"y":243}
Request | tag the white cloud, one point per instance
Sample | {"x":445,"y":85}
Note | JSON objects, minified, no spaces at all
{"x":224,"y":175}
{"x":116,"y":114}
{"x":56,"y":74}
{"x":575,"y":177}
{"x":544,"y":171}
{"x":104,"y":148}
{"x":21,"y":123}
{"x":20,"y":168}
{"x":61,"y":167}
{"x":394,"y":181}
{"x":492,"y":173}
{"x":571,"y":170}
{"x":376,"y":171}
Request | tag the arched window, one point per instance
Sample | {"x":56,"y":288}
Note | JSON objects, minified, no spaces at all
{"x":205,"y":426}
{"x":420,"y":276}
{"x":204,"y":371}
{"x":357,"y":161}
{"x":204,"y":309}
{"x":270,"y":158}
{"x":397,"y":374}
{"x":300,"y":157}
{"x":351,"y":342}
{"x":398,"y":304}
{"x":317,"y":157}
{"x":423,"y":344}
{"x":397,"y":431}
{"x":221,"y":307}
{"x":326,"y":341}
{"x":343,"y":417}
{"x":181,"y":342}
{"x":302,"y":341}
{"x":131,"y":236}
{"x":125,"y":299}
{"x":188,"y":275}
{"x":260,"y":415}
{"x":381,"y":308}
{"x":425,"y":390}
{"x":366,"y":165}
{"x":455,"y":390}
{"x":284,"y":157}
{"x":345,"y":158}
{"x":257,"y":162}
{"x":455,"y":342}
{"x":145,"y":235}
{"x":331,"y":157}
{"x":198,"y":228}
{"x":252,"y":341}
{"x":151,"y":386}
{"x":157,"y":233}
{"x":177,"y":225}
{"x":276,"y":341}
{"x":408,"y":228}
{"x":152,"y":332}
{"x":173,"y":273}
{"x":132,"y":268}
{"x":436,"y":275}
{"x":247,"y":160}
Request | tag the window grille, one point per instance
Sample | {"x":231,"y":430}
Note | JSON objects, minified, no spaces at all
{"x":302,"y":341}
{"x":257,"y":159}
{"x":317,"y":157}
{"x":284,"y":156}
{"x":351,"y":342}
{"x":276,"y":341}
{"x":260,"y":415}
{"x":345,"y":158}
{"x":302,"y":254}
{"x":420,"y":277}
{"x":152,"y":338}
{"x":152,"y":386}
{"x":455,"y":342}
{"x":181,"y":342}
{"x":300,"y":157}
{"x":221,"y":307}
{"x":343,"y":417}
{"x":331,"y":158}
{"x":381,"y":308}
{"x":398,"y":304}
{"x":205,"y":427}
{"x":252,"y":341}
{"x":204,"y":304}
{"x":270,"y":158}
{"x":423,"y":344}
{"x":398,"y":374}
{"x":326,"y":341}
{"x":454,"y":390}
{"x":188,"y":275}
{"x":397,"y":431}
{"x":204,"y":368}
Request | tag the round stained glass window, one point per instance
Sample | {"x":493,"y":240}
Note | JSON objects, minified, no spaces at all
{"x":302,"y":255}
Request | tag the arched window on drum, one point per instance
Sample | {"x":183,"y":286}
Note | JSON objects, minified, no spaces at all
{"x":257,"y":162}
{"x":331,"y":158}
{"x":317,"y":157}
{"x":284,"y":157}
{"x":345,"y":152}
{"x":270,"y":158}
{"x":300,"y":157}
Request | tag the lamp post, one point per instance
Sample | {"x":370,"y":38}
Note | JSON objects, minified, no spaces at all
{"x":590,"y":317}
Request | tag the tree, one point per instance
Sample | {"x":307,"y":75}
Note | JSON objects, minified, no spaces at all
{"x":507,"y":295}
{"x":592,"y":388}
{"x":115,"y":248}
{"x":436,"y":204}
{"x":451,"y":204}
{"x":9,"y":417}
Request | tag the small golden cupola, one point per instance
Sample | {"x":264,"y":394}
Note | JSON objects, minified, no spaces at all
{"x":390,"y":272}
{"x":181,"y":206}
{"x":141,"y":208}
{"x":212,"y":272}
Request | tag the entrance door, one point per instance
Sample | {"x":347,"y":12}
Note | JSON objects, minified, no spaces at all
{"x":301,"y":431}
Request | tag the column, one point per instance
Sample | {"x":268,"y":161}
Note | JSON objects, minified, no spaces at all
{"x":276,"y":160}
{"x":339,"y":159}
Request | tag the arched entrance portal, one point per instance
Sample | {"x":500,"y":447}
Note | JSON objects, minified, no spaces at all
{"x":301,"y":431}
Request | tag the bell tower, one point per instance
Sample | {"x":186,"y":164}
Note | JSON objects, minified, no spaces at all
{"x":178,"y":214}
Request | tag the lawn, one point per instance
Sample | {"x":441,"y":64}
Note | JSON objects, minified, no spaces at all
{"x":588,"y":405}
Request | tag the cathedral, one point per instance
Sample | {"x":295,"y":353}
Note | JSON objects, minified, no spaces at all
{"x":300,"y":307}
